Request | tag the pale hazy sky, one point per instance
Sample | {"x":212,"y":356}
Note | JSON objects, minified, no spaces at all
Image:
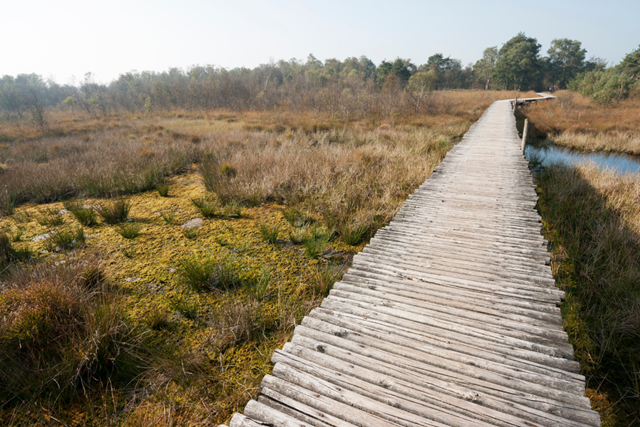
{"x":65,"y":38}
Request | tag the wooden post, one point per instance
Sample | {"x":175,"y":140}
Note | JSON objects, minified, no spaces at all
{"x":524,"y":134}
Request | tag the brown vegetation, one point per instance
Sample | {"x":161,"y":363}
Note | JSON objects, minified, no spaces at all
{"x":577,"y":122}
{"x":285,"y":197}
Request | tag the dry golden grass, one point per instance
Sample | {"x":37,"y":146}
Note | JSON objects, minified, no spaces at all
{"x":574,"y":121}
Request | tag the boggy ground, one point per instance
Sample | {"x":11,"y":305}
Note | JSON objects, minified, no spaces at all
{"x":576,"y":122}
{"x":224,"y":333}
{"x":124,"y":317}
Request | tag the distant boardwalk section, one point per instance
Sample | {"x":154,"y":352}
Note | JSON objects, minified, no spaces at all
{"x":449,"y":317}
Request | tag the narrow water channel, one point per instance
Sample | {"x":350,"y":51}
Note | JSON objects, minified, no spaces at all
{"x":621,"y":163}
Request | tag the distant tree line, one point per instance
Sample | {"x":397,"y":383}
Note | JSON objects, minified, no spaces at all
{"x":339,"y":87}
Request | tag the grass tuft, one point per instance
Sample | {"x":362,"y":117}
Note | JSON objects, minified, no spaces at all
{"x":352,"y":232}
{"x":298,"y":235}
{"x":64,"y":239}
{"x":50,"y":218}
{"x":129,"y":230}
{"x":269,"y":232}
{"x":323,"y":278}
{"x":157,"y":318}
{"x":85,"y":216}
{"x":190,"y":233}
{"x":168,"y":217}
{"x":163,"y":189}
{"x":206,"y":274}
{"x":315,"y":244}
{"x":8,"y":253}
{"x":208,"y":208}
{"x":115,"y":212}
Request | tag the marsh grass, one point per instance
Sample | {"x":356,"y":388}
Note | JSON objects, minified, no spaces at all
{"x":85,"y":216}
{"x":211,"y":357}
{"x":592,"y":219}
{"x":115,"y":211}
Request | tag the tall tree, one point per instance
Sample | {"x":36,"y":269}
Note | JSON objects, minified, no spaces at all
{"x":484,"y":67}
{"x":566,"y":60}
{"x":518,"y":64}
{"x":630,"y":65}
{"x":400,"y":70}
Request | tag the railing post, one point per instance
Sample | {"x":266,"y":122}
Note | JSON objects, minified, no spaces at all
{"x":524,"y":134}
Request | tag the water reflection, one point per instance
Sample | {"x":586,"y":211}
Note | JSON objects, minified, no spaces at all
{"x":621,"y":163}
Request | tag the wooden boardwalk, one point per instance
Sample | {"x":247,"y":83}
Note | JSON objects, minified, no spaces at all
{"x":449,"y":317}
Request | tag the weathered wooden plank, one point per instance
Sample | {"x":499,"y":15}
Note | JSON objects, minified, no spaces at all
{"x":461,"y":343}
{"x":435,"y":391}
{"x":445,"y":358}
